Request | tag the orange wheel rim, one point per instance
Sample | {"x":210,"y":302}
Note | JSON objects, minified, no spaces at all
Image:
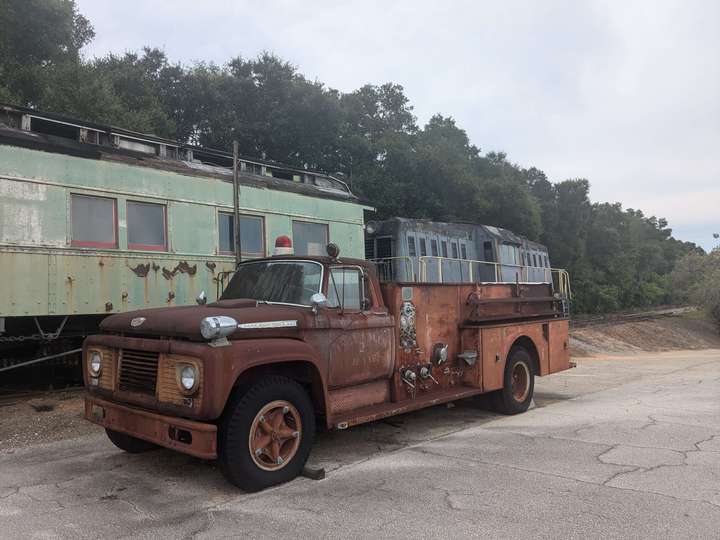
{"x":275,"y":435}
{"x":520,"y":382}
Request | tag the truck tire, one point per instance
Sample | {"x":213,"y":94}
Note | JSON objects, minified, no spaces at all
{"x":128,"y":443}
{"x":266,"y":434}
{"x":518,"y":383}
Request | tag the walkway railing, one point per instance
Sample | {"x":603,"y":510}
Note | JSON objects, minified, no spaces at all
{"x":435,"y":269}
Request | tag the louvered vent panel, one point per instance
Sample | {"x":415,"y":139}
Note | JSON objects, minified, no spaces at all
{"x":138,"y":371}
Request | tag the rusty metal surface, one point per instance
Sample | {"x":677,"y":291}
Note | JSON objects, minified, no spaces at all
{"x":559,"y":354}
{"x":355,"y":363}
{"x":154,"y":427}
{"x":356,"y":397}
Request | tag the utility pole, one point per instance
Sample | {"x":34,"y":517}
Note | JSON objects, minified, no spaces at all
{"x":236,"y":204}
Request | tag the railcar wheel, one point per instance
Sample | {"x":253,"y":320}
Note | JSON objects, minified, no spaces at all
{"x":266,"y":434}
{"x":128,"y":443}
{"x":519,"y":383}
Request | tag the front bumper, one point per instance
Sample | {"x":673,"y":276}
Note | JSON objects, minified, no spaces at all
{"x":195,"y":438}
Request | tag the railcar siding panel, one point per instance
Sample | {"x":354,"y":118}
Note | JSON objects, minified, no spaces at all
{"x":35,"y":228}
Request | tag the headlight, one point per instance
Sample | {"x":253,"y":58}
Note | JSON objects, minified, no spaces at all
{"x":217,"y":327}
{"x":188,"y":378}
{"x":95,"y":363}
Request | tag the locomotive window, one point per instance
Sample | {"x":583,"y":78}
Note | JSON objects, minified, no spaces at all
{"x":423,"y":248}
{"x":463,"y":251}
{"x":488,"y":251}
{"x":94,"y":221}
{"x":443,"y":246}
{"x":309,"y":238}
{"x":146,"y":224}
{"x":434,"y":248}
{"x":454,"y":250}
{"x":252,"y":239}
{"x":411,"y":246}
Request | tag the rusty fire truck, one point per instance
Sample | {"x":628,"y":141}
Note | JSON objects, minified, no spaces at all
{"x":299,"y":342}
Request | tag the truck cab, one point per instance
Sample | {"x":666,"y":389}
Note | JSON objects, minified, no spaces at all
{"x":299,"y":343}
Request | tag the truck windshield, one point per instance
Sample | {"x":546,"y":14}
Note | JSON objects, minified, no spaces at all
{"x":287,"y":282}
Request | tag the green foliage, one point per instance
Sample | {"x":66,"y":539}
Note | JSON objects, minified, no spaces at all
{"x":617,"y":258}
{"x":696,"y":279}
{"x":37,"y":36}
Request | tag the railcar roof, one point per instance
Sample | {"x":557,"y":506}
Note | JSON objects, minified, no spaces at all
{"x":186,"y":159}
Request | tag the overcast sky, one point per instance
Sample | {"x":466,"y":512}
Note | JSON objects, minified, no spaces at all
{"x":626,"y":94}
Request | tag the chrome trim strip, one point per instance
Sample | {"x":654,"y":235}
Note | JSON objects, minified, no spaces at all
{"x":267,"y":324}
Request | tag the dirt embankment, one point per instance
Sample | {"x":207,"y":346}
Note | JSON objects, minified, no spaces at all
{"x":687,"y":331}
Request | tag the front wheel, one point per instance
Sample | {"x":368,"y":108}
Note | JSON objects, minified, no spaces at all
{"x":518,"y":383}
{"x":266,"y":434}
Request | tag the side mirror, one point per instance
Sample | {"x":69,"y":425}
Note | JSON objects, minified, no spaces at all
{"x":201,"y":298}
{"x":366,"y":304}
{"x":318,"y":300}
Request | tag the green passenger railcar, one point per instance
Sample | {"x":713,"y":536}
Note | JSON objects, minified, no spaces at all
{"x":96,"y":220}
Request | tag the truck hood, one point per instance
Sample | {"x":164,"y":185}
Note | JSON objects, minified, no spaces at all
{"x":184,"y":321}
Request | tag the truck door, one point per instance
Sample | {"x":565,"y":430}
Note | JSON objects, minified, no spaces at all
{"x":362,"y":334}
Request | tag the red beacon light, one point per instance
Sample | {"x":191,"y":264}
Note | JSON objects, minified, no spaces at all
{"x":283,"y":246}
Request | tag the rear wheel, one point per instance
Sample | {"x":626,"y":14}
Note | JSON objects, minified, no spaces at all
{"x":518,"y":384}
{"x":128,"y":443}
{"x":266,"y":434}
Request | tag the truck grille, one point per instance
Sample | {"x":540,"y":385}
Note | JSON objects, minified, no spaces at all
{"x":138,"y":371}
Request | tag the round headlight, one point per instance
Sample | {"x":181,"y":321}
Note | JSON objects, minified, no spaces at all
{"x":95,"y":363}
{"x":188,"y":376}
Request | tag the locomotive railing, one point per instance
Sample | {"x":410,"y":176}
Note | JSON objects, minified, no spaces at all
{"x":395,"y":269}
{"x":435,"y":269}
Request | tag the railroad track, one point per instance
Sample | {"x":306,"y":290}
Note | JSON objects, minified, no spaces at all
{"x":13,"y":397}
{"x":629,"y":317}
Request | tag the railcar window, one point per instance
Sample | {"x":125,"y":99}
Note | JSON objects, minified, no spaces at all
{"x":347,"y":288}
{"x":454,"y":247}
{"x":423,"y":247}
{"x":146,"y":225}
{"x":443,"y":246}
{"x":252,"y":237}
{"x":411,"y":246}
{"x":94,"y":221}
{"x":434,"y":248}
{"x":535,"y":262}
{"x":309,"y":238}
{"x":463,"y":251}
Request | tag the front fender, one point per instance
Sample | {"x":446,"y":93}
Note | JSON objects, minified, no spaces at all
{"x":248,"y":354}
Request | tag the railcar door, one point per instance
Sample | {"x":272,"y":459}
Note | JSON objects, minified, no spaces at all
{"x":362,"y":334}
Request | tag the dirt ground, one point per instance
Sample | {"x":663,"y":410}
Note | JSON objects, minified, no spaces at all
{"x":58,"y":415}
{"x":690,"y":331}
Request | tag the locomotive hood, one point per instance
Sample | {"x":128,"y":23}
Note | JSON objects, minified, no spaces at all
{"x":184,"y":321}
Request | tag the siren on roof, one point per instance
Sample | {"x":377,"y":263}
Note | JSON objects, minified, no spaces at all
{"x":283,"y":246}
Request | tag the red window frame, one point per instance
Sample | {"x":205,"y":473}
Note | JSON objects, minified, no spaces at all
{"x":106,"y":245}
{"x":149,"y":247}
{"x":244,"y":253}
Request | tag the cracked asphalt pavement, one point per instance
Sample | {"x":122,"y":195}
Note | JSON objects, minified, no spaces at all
{"x":618,"y":447}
